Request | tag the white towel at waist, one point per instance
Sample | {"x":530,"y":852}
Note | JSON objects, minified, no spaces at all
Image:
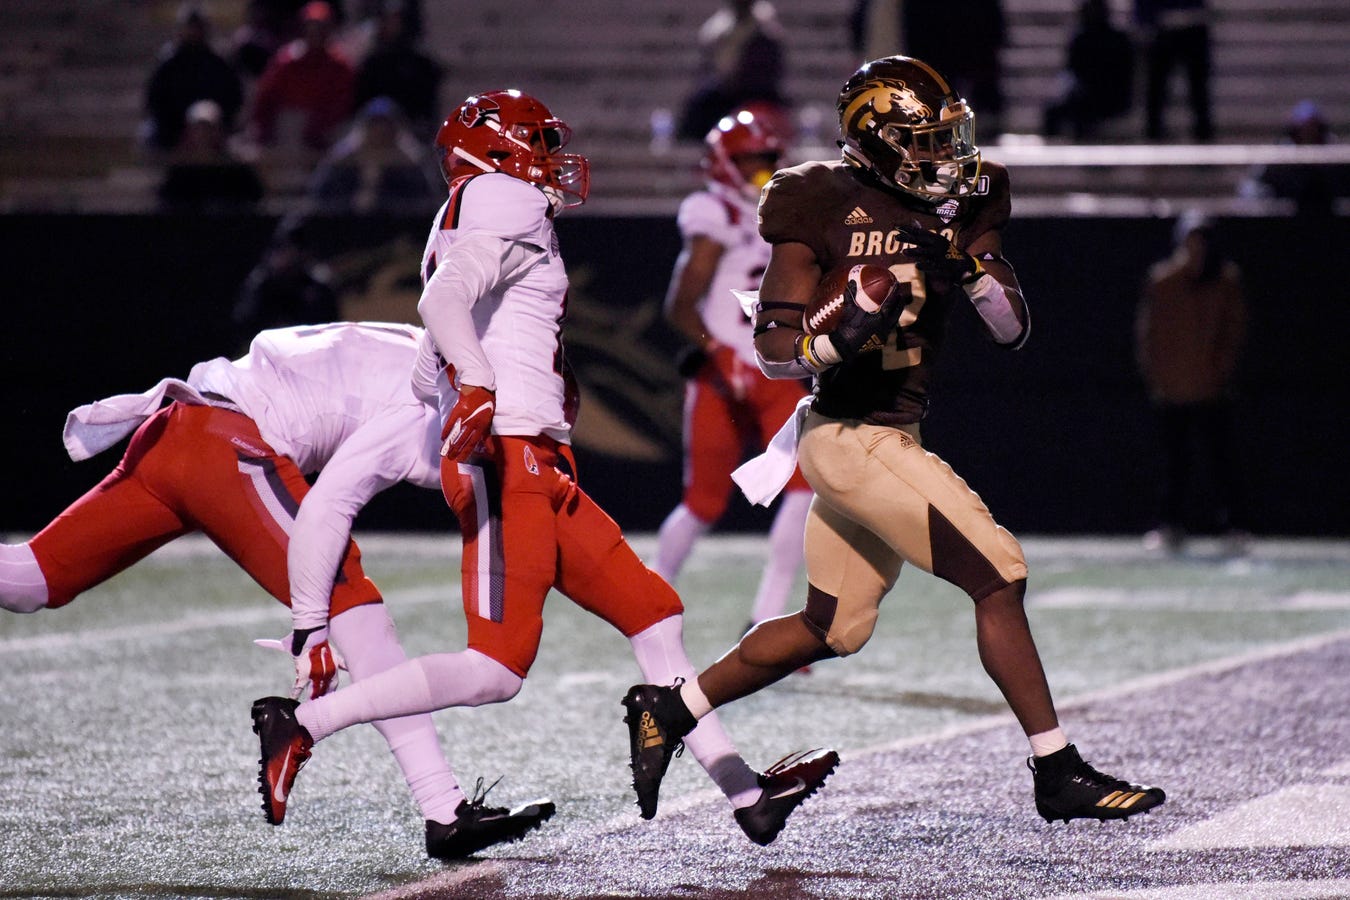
{"x":96,"y":426}
{"x":762,"y":478}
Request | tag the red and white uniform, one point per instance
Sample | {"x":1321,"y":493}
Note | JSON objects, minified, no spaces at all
{"x":728,"y":218}
{"x":494,"y":299}
{"x":730,"y":406}
{"x":229,"y":455}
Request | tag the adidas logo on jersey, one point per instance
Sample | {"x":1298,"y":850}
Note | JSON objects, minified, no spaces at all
{"x":858,"y":217}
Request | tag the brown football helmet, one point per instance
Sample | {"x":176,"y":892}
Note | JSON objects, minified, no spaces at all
{"x":903,"y":123}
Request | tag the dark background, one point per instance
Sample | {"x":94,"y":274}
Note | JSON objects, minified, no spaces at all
{"x":1056,"y":438}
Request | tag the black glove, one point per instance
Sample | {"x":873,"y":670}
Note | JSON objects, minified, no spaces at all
{"x":859,"y":331}
{"x":933,"y":254}
{"x":689,"y":360}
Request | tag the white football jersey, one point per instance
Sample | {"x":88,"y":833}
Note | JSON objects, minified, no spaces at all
{"x":336,"y":399}
{"x":509,"y":272}
{"x":310,"y":389}
{"x":729,"y":220}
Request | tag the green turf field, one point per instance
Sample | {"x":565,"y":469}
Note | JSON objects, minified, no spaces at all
{"x":127,"y":766}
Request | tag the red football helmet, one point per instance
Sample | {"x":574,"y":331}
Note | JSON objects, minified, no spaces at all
{"x":739,"y":135}
{"x":511,"y":132}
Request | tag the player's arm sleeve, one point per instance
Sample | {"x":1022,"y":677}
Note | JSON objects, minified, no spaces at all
{"x":379,"y":454}
{"x":499,"y":235}
{"x":996,"y":295}
{"x":426,"y":370}
{"x":703,"y":224}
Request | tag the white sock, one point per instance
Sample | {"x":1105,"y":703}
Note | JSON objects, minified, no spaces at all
{"x":786,"y":549}
{"x":1048,"y":742}
{"x":23,"y":587}
{"x":420,"y":685}
{"x":675,"y":539}
{"x":661,"y":656}
{"x":368,"y":641}
{"x":428,"y":773}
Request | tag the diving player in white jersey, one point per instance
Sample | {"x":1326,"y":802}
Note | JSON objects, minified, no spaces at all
{"x":228,"y":457}
{"x":729,"y":406}
{"x":493,"y":301}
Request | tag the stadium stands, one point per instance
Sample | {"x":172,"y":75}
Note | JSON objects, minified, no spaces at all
{"x":72,"y":74}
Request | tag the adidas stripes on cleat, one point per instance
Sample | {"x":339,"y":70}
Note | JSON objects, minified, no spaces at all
{"x":285,"y":746}
{"x":657,"y":723}
{"x":1068,"y":788}
{"x":477,"y":827}
{"x":786,"y":783}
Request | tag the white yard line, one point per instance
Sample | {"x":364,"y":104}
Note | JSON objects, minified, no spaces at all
{"x":267,"y":613}
{"x":1137,"y":685}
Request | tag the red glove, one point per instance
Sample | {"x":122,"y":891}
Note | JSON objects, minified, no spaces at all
{"x":316,"y":662}
{"x":316,"y":667}
{"x":468,"y":422}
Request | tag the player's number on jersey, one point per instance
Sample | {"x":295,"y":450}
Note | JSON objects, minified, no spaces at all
{"x":896,"y":355}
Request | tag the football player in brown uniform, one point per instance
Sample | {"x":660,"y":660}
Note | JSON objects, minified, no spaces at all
{"x":910,"y":194}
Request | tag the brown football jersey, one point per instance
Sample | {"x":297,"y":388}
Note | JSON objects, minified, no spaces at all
{"x":845,"y":218}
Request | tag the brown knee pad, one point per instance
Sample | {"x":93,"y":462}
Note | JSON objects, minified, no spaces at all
{"x":845,"y":629}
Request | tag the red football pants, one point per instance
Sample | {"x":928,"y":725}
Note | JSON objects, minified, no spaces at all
{"x":730,"y":407}
{"x":527,"y":527}
{"x":189,"y":468}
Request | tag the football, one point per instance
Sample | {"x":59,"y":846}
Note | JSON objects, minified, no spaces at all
{"x":864,"y":285}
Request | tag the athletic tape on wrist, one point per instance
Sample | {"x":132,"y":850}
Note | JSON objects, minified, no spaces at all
{"x":994,"y":307}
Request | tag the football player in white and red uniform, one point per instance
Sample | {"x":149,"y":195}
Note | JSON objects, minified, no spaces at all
{"x":729,"y":405}
{"x":909,"y":194}
{"x":494,"y":299}
{"x":227,"y":457}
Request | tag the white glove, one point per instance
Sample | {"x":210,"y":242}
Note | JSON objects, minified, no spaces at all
{"x":316,"y":663}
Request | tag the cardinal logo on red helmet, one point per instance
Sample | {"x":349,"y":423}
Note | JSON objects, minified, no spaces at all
{"x":480,"y":113}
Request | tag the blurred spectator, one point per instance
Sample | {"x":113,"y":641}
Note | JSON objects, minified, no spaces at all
{"x":1190,"y":326}
{"x":962,"y":39}
{"x":188,"y":70}
{"x":396,"y":69}
{"x":359,"y":38}
{"x":1098,"y":77}
{"x":741,"y":65}
{"x":1175,"y":33}
{"x":268,"y":26}
{"x":306,"y":92}
{"x":203,"y":175}
{"x":1314,"y":187}
{"x":287,"y":287}
{"x":380,"y":166}
{"x":874,"y":28}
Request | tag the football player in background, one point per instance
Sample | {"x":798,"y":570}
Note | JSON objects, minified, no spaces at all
{"x":909,"y":194}
{"x":728,"y":403}
{"x":493,"y":300}
{"x":228,"y":456}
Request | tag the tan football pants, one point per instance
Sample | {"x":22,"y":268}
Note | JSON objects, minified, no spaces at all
{"x":881,"y":501}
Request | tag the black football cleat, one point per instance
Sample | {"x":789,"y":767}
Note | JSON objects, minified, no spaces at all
{"x":285,"y":746}
{"x":657,"y":721}
{"x":1068,"y":788}
{"x":786,"y":783}
{"x":477,"y":827}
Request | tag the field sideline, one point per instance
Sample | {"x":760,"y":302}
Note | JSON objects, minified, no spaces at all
{"x":129,"y":765}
